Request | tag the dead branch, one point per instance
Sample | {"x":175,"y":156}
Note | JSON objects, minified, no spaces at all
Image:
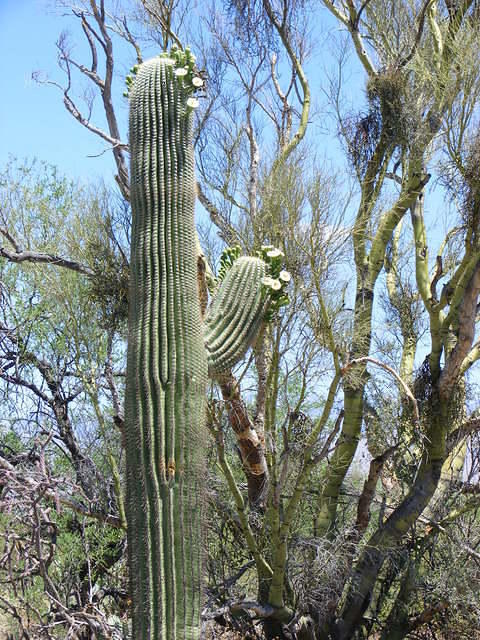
{"x":227,"y":232}
{"x":96,"y":33}
{"x":44,"y":258}
{"x":368,"y":494}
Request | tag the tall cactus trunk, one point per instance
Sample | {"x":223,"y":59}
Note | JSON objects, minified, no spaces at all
{"x":166,"y":367}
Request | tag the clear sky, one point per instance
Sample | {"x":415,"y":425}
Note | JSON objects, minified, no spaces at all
{"x":33,"y":120}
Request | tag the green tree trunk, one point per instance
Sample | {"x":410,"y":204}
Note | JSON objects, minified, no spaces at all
{"x":390,"y":533}
{"x":352,"y":423}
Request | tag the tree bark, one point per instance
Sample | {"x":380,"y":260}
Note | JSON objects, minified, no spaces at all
{"x":390,"y":533}
{"x":250,"y":444}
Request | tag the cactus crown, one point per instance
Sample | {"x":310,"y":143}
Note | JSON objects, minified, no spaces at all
{"x":183,"y":63}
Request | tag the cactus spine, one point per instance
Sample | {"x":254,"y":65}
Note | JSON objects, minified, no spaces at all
{"x":166,"y":366}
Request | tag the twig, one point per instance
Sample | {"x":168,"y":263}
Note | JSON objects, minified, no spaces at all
{"x":393,"y":373}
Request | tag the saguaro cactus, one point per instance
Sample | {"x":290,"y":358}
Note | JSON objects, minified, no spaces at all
{"x":167,"y":355}
{"x":167,"y":367}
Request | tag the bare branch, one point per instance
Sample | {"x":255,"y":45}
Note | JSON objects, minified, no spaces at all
{"x":287,"y":43}
{"x":5,"y":232}
{"x":161,"y":13}
{"x":45,"y":258}
{"x":351,"y":21}
{"x":393,"y":373}
{"x":227,"y":232}
{"x":100,"y":34}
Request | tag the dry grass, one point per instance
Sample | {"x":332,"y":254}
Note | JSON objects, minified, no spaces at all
{"x":215,"y":631}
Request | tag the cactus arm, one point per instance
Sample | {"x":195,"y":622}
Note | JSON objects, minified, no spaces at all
{"x":166,"y":368}
{"x":252,"y":290}
{"x":236,"y":314}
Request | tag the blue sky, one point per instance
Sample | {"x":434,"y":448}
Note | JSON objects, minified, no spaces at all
{"x":33,"y":120}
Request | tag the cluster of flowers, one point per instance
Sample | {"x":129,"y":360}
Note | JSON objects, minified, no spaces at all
{"x":183,"y":61}
{"x":274,"y":283}
{"x":277,"y":280}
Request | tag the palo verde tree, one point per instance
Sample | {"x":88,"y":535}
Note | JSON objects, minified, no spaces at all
{"x":378,"y":338}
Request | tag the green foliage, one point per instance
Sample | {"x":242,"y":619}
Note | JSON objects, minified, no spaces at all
{"x":108,"y":289}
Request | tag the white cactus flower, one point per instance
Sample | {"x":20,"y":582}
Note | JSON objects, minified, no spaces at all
{"x":197,"y":82}
{"x":275,"y":253}
{"x":181,"y":71}
{"x":285,"y":276}
{"x":267,"y":281}
{"x":192,"y":103}
{"x":276,"y":285}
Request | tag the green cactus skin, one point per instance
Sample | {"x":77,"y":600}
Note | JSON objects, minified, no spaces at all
{"x":236,"y":314}
{"x":166,"y":366}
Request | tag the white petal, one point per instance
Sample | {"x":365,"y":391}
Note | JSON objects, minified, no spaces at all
{"x":274,"y":253}
{"x":276,"y":285}
{"x":285,"y":276}
{"x":181,"y":71}
{"x":192,"y":102}
{"x":197,"y":82}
